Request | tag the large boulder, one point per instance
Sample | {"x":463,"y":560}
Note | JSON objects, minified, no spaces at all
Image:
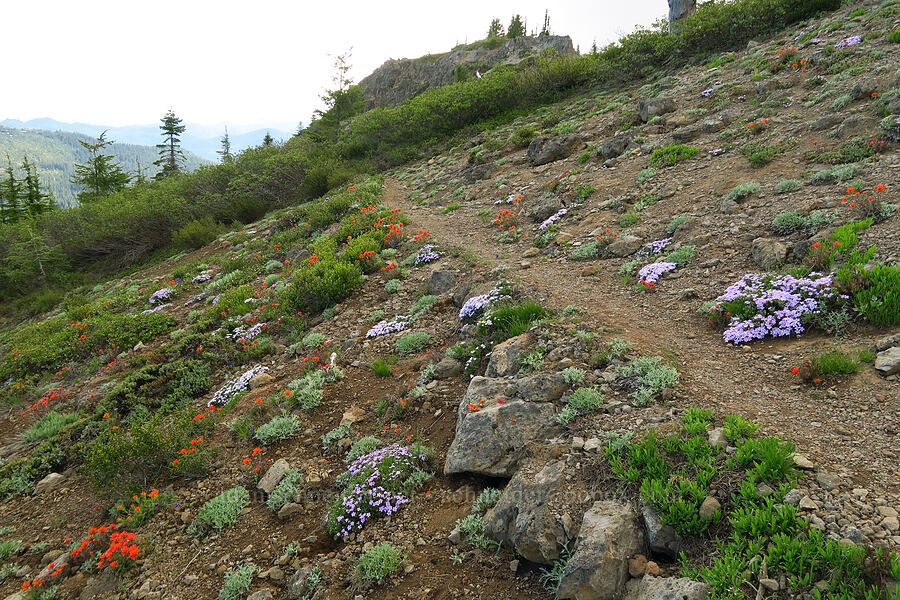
{"x":528,"y":515}
{"x":442,"y":281}
{"x":608,"y":537}
{"x":654,"y":107}
{"x":626,"y":245}
{"x":543,"y":149}
{"x":506,"y":357}
{"x":543,"y":208}
{"x":616,"y":145}
{"x":678,"y":11}
{"x":668,"y":588}
{"x":542,"y":388}
{"x":662,"y":539}
{"x":491,"y":438}
{"x":887,"y":362}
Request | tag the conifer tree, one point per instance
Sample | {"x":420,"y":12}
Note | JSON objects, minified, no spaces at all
{"x":516,"y":27}
{"x":545,"y":30}
{"x":10,"y":196}
{"x":101,"y":175}
{"x":170,"y":155}
{"x":268,"y":141}
{"x":35,"y":200}
{"x":495,"y":29}
{"x":225,"y":152}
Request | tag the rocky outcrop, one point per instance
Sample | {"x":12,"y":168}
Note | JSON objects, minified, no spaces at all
{"x":397,"y":80}
{"x":543,"y":150}
{"x":668,"y":588}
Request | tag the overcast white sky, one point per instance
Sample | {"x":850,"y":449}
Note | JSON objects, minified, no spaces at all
{"x":261,"y":63}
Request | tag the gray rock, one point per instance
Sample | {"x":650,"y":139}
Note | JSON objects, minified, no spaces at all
{"x":491,"y":441}
{"x":768,"y":253}
{"x":598,"y":568}
{"x":792,"y":497}
{"x":103,"y":585}
{"x":542,"y":388}
{"x":668,"y":588}
{"x":289,"y":510}
{"x":297,"y":585}
{"x":687,"y":134}
{"x":803,"y":463}
{"x":543,"y":208}
{"x":626,"y":245}
{"x":828,"y":481}
{"x":654,"y":107}
{"x":49,"y":483}
{"x":616,"y":145}
{"x":887,"y":362}
{"x":273,"y":476}
{"x":505,"y":357}
{"x":484,"y":391}
{"x":678,"y":11}
{"x":261,"y":380}
{"x":807,"y":503}
{"x":477,"y":173}
{"x":265,"y":594}
{"x":524,"y":518}
{"x":717,"y":437}
{"x":296,"y":254}
{"x":826,"y":122}
{"x":728,"y":206}
{"x":543,"y":149}
{"x":882,"y":343}
{"x":441,"y":282}
{"x":448,"y":368}
{"x":662,"y":539}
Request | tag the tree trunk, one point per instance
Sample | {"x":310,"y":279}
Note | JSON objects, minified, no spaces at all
{"x":678,"y":10}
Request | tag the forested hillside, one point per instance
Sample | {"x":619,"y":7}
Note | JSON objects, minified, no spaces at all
{"x":57,"y":152}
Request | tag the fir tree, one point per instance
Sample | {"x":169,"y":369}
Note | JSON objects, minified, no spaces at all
{"x":495,"y":29}
{"x":170,"y":154}
{"x":545,"y":30}
{"x":516,"y":27}
{"x":10,"y":196}
{"x":268,"y":141}
{"x":36,"y":201}
{"x":101,"y":175}
{"x":225,"y":152}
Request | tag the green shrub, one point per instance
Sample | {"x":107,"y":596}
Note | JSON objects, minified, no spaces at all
{"x":512,"y":320}
{"x":10,"y":548}
{"x":411,"y":342}
{"x":159,"y":386}
{"x":682,"y":256}
{"x":320,"y":285}
{"x":221,"y":511}
{"x":788,"y":222}
{"x":646,"y":175}
{"x":834,"y":174}
{"x":392,"y":286}
{"x":667,"y":156}
{"x":879,"y":298}
{"x":48,"y":426}
{"x":573,"y":375}
{"x":237,"y":582}
{"x":738,"y":428}
{"x":306,"y":392}
{"x":629,"y":218}
{"x":378,"y":562}
{"x":19,"y":476}
{"x":651,"y":376}
{"x":362,"y":446}
{"x":772,"y":458}
{"x":788,"y":185}
{"x":339,"y":432}
{"x":197,"y":233}
{"x":278,"y":429}
{"x":285,"y":491}
{"x":313,"y":340}
{"x":421,"y":307}
{"x":894,"y":36}
{"x":581,"y":401}
{"x":381,"y":368}
{"x":585,"y":251}
{"x":759,"y":154}
{"x":486,"y":499}
{"x":834,"y":363}
{"x":676,"y":223}
{"x":743,"y":191}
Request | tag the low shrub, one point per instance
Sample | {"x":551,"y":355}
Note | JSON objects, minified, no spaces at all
{"x":743,"y":191}
{"x":788,"y":185}
{"x":221,"y":511}
{"x":378,"y":562}
{"x":285,"y":491}
{"x":322,"y":284}
{"x":651,"y":376}
{"x":512,"y":320}
{"x":278,"y":429}
{"x":667,"y":156}
{"x":237,"y":582}
{"x":381,"y":368}
{"x":411,"y":342}
{"x":197,"y":233}
{"x":48,"y":426}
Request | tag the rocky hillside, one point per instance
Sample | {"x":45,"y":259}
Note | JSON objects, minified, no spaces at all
{"x":644,"y":344}
{"x":396,"y":80}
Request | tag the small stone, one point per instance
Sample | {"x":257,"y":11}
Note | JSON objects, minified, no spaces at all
{"x":653,"y":569}
{"x":764,"y":490}
{"x":261,"y":380}
{"x":289,"y":510}
{"x":593,"y":444}
{"x":273,"y":475}
{"x":49,"y":483}
{"x":769,"y":584}
{"x":828,"y":481}
{"x":891,"y":523}
{"x":807,"y":503}
{"x":709,"y":508}
{"x":792,"y":497}
{"x":886,"y":511}
{"x":577,"y":443}
{"x":717,"y":437}
{"x":588,"y":271}
{"x":637,"y":565}
{"x":354,"y":414}
{"x":276,"y":574}
{"x":514,"y":565}
{"x":803,"y":463}
{"x":265,"y":594}
{"x":455,"y":537}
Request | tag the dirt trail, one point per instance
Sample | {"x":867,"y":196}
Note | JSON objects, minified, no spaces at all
{"x":835,"y":428}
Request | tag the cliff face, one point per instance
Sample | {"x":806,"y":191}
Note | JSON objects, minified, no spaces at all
{"x":396,"y":80}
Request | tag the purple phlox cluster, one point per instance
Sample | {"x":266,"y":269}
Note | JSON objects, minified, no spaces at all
{"x":780,"y":304}
{"x":250,"y":299}
{"x":656,"y":247}
{"x":476,"y":304}
{"x":708,"y":93}
{"x":426,"y":254}
{"x":385,"y":327}
{"x":651,"y":273}
{"x":215,"y":300}
{"x":815,"y":41}
{"x":849,"y":41}
{"x":509,"y":200}
{"x":160,"y":296}
{"x":717,"y":151}
{"x":154,"y":309}
{"x":202,"y":277}
{"x":357,"y":505}
{"x":196,"y":298}
{"x":236,"y":385}
{"x":248,"y":334}
{"x":553,"y":218}
{"x":804,"y":31}
{"x":789,"y":103}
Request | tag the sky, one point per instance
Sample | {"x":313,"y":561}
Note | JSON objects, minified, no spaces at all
{"x":248,"y":64}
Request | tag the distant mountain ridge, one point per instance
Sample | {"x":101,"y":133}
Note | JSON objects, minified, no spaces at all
{"x":202,"y":140}
{"x":55,"y":154}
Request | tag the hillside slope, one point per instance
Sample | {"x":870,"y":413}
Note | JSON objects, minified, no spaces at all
{"x":517,"y":362}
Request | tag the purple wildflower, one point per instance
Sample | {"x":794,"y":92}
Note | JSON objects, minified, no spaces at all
{"x":385,"y":327}
{"x":553,"y":218}
{"x":427,"y":253}
{"x":154,"y":309}
{"x":849,"y":41}
{"x":656,"y":247}
{"x":651,"y":273}
{"x":236,"y":385}
{"x":160,"y":296}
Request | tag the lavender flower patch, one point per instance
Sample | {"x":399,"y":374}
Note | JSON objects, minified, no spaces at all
{"x":202,"y":277}
{"x":709,"y":93}
{"x":160,"y":296}
{"x":849,"y":41}
{"x":215,"y":300}
{"x":375,"y":484}
{"x":763,"y":305}
{"x":196,"y":298}
{"x":385,"y":327}
{"x":651,"y":273}
{"x":656,"y":247}
{"x":236,"y":385}
{"x":242,"y":334}
{"x":510,"y":200}
{"x":427,"y":253}
{"x":476,"y":304}
{"x":553,"y":218}
{"x":717,"y":151}
{"x":154,"y":309}
{"x":804,"y":31}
